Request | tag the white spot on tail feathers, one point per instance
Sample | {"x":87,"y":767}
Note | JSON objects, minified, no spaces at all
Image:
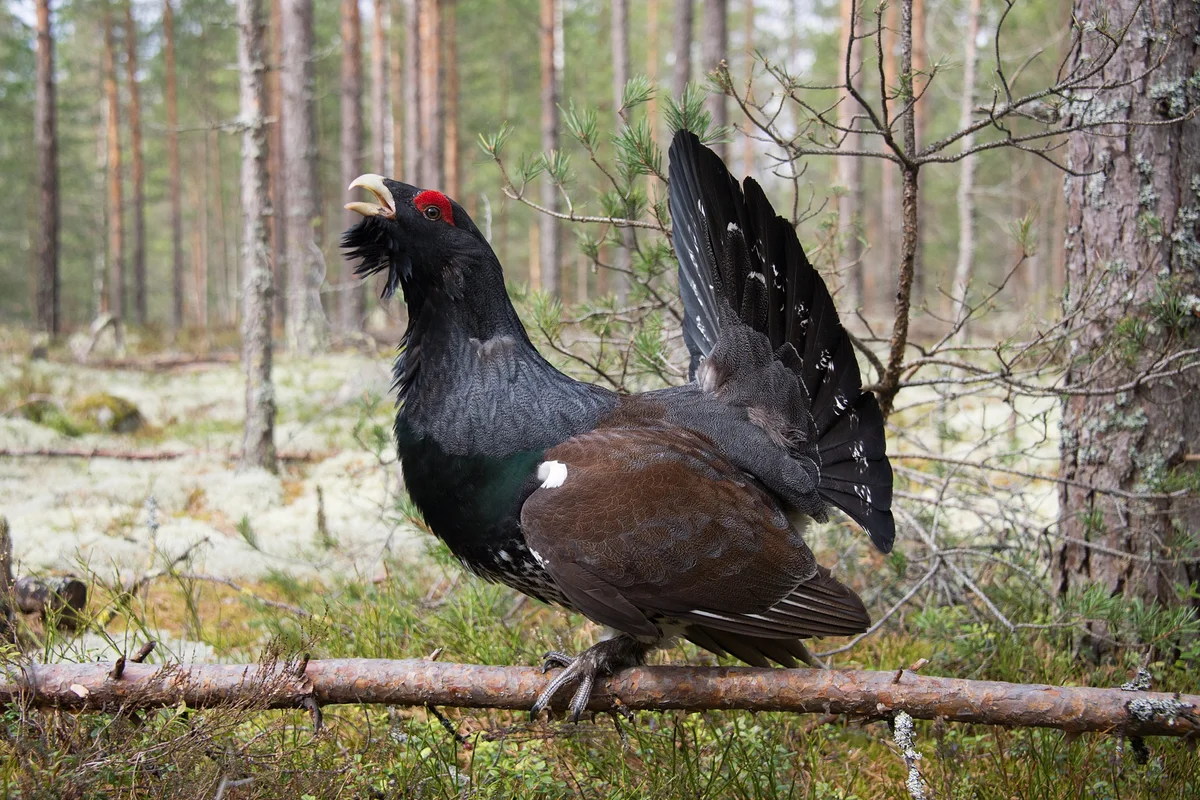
{"x":504,"y":556}
{"x":839,"y":402}
{"x":733,"y":226}
{"x":552,"y":474}
{"x":758,"y":276}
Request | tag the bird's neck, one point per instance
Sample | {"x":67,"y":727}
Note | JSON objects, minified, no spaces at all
{"x":471,"y":380}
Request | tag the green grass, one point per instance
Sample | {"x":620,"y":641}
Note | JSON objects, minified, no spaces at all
{"x":378,"y":752}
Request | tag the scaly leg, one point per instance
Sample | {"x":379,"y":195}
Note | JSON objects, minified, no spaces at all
{"x":602,"y":658}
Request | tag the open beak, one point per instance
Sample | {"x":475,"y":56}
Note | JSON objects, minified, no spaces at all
{"x":373,"y":184}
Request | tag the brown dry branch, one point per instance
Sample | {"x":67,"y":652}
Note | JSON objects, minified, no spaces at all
{"x":418,"y":682}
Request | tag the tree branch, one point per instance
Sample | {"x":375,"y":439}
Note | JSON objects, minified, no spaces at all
{"x":418,"y":683}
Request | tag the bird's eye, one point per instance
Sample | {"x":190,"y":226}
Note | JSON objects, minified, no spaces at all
{"x":432,"y":212}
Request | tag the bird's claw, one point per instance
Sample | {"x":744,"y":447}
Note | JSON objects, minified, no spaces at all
{"x":600,"y":659}
{"x":554,"y":659}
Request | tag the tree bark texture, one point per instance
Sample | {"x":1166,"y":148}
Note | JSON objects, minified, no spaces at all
{"x":137,"y":167}
{"x":419,"y":682}
{"x":396,"y":89}
{"x":175,"y":181}
{"x":909,"y":210}
{"x":275,"y":163}
{"x":47,"y":305}
{"x":850,"y":202}
{"x":412,"y":93}
{"x":380,"y":116}
{"x":351,"y":297}
{"x":429,"y":65}
{"x":681,"y":71}
{"x":258,"y":442}
{"x":306,"y":328}
{"x":453,"y":182}
{"x":549,"y":230}
{"x":714,"y":48}
{"x":921,"y":110}
{"x":116,"y":229}
{"x":622,"y":254}
{"x":1132,"y":246}
{"x":966,"y":175}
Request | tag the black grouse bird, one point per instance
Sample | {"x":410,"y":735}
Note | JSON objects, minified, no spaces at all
{"x":677,"y":512}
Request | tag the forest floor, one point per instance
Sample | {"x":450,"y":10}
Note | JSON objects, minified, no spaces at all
{"x":322,"y":559}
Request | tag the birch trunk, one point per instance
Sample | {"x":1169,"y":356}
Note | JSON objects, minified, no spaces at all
{"x":138,"y":170}
{"x":966,"y":176}
{"x":850,"y":167}
{"x":258,"y":444}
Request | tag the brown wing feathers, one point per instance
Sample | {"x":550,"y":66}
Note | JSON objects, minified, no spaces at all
{"x":650,"y":525}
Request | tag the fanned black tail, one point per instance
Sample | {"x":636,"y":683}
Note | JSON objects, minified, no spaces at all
{"x":738,"y":259}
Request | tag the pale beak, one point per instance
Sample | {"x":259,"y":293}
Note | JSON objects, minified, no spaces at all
{"x":373,"y":184}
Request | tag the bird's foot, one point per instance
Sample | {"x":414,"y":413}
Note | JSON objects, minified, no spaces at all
{"x":602,"y":658}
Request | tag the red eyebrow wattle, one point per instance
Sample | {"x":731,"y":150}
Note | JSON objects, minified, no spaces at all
{"x":431,"y":198}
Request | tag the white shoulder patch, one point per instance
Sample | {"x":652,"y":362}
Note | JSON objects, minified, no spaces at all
{"x":552,"y":474}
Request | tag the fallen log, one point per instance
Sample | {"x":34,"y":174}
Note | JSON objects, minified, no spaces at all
{"x":310,"y":684}
{"x":152,"y":455}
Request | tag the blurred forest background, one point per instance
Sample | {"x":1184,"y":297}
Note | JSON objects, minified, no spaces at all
{"x":131,"y":75}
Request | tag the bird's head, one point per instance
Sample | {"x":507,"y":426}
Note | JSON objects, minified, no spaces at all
{"x":421,"y":237}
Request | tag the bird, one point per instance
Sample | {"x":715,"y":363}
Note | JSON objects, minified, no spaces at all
{"x":674,"y":513}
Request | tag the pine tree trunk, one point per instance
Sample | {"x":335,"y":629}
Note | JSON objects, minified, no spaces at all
{"x":351,"y":296}
{"x":850,"y":167}
{"x":681,"y":71}
{"x":175,"y":181}
{"x":412,"y":92}
{"x":714,"y":47}
{"x":137,"y":166}
{"x":966,"y":175}
{"x":748,"y":143}
{"x":1132,"y":254}
{"x":652,"y":59}
{"x":258,"y":444}
{"x":395,"y":93}
{"x":429,"y":64}
{"x":46,"y":305}
{"x":622,"y":255}
{"x":116,"y":228}
{"x":275,"y":176}
{"x":547,"y":261}
{"x":380,"y":118}
{"x":452,"y":157}
{"x":306,"y":328}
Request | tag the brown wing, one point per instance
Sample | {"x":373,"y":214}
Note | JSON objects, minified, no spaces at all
{"x":651,"y":523}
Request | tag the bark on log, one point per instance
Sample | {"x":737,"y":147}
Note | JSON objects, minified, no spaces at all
{"x":418,"y":682}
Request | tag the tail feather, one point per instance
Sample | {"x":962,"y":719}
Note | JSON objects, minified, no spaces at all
{"x":739,"y":260}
